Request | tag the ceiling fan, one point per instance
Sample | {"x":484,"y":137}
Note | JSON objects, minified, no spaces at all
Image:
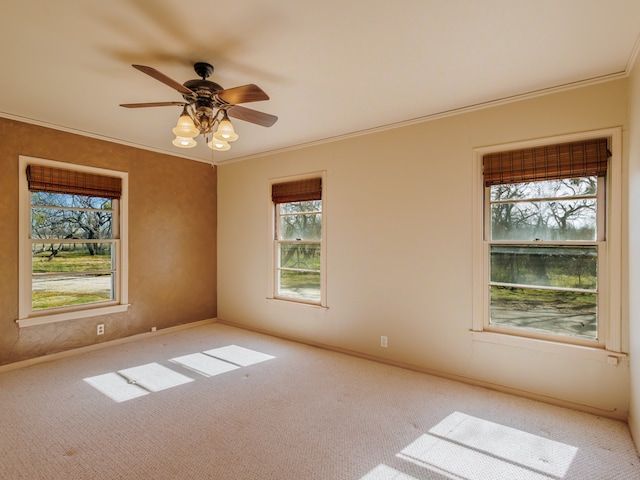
{"x":206,"y":106}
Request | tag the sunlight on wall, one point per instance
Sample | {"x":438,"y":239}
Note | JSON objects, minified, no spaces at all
{"x":138,"y":381}
{"x":470,"y":448}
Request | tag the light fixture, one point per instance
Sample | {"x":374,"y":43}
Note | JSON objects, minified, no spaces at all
{"x":185,"y":126}
{"x":204,"y":120}
{"x":207,"y":107}
{"x":225,"y":130}
{"x":218,"y":145}
{"x":184,"y":142}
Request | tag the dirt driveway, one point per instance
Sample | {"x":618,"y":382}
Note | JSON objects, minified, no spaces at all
{"x":100,"y":285}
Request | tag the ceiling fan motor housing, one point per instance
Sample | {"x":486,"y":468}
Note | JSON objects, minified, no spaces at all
{"x":205,"y":91}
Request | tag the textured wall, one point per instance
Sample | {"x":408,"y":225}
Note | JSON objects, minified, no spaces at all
{"x":400,"y":237}
{"x":634,"y":249}
{"x":172,"y":240}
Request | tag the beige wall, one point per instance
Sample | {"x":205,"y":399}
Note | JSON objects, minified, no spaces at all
{"x":172,"y":240}
{"x":399,"y":216}
{"x":634,"y":248}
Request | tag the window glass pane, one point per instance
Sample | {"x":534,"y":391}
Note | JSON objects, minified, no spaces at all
{"x":545,"y":220}
{"x":545,"y":210}
{"x":68,"y":200}
{"x":297,"y":207}
{"x":81,"y":224}
{"x":307,"y":226}
{"x":564,"y":267}
{"x":302,"y":285}
{"x":298,"y":271}
{"x":563,"y":313}
{"x":72,"y":257}
{"x":65,"y":290}
{"x":567,"y":187}
{"x":302,"y":256}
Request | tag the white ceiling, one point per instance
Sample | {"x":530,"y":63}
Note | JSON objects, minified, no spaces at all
{"x":331,"y":67}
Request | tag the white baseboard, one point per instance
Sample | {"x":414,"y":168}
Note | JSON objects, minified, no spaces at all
{"x":98,"y":346}
{"x":616,"y":415}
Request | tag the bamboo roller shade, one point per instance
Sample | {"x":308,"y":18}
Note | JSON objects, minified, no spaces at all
{"x":43,"y":178}
{"x":297,"y":191}
{"x":549,"y":162}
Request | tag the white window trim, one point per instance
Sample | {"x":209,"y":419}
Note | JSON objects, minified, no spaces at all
{"x":610,"y":311}
{"x":272,"y":282}
{"x":27,"y":318}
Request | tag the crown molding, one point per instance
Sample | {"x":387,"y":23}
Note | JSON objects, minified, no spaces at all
{"x":439,"y":115}
{"x":381,"y":128}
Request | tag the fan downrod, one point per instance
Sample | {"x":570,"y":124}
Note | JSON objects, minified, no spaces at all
{"x":203,"y":69}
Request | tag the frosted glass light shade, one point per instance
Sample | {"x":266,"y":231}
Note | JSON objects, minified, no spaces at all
{"x":218,"y":145}
{"x":184,"y":142}
{"x":225,"y":131}
{"x":185,"y":127}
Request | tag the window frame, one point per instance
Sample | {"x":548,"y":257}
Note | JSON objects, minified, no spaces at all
{"x":599,"y":243}
{"x":274,"y":243}
{"x":609,"y":255}
{"x":26,"y":315}
{"x":279,"y":242}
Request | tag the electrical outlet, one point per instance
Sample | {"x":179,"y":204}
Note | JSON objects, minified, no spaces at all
{"x":383,"y":341}
{"x":100,"y":329}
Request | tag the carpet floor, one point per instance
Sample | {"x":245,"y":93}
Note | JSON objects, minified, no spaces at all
{"x":219,"y":402}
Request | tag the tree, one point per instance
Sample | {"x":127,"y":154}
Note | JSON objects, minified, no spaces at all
{"x":301,"y":221}
{"x":56,"y":216}
{"x":563,"y":209}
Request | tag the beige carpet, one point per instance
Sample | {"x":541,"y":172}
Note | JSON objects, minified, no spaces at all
{"x":217,"y":402}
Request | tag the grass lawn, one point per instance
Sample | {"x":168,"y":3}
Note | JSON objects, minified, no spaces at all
{"x":70,"y":262}
{"x":51,"y":291}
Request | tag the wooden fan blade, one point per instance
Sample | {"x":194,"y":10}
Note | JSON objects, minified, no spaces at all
{"x":253,"y":116}
{"x":153,"y":104}
{"x":243,"y":94}
{"x":152,"y":72}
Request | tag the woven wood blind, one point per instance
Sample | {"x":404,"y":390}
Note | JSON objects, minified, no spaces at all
{"x":297,"y":191}
{"x":549,"y":162}
{"x":42,"y":178}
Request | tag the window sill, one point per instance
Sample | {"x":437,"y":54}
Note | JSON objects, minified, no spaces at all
{"x":589,"y":353}
{"x":73,"y":315}
{"x":293,"y":301}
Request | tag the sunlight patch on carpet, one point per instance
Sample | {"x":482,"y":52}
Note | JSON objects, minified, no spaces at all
{"x":239,"y":355}
{"x":138,"y":381}
{"x":464,"y":447}
{"x":116,"y":387}
{"x":204,"y":364}
{"x":385,"y":472}
{"x":475,"y":449}
{"x":154,"y":377}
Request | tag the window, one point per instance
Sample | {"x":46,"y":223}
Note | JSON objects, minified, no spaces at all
{"x":547,"y":245}
{"x":298,"y":240}
{"x":71,"y":246}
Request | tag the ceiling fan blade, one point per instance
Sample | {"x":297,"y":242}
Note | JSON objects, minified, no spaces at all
{"x":252,"y":116}
{"x":153,"y":104}
{"x":243,"y":94}
{"x":152,"y":72}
